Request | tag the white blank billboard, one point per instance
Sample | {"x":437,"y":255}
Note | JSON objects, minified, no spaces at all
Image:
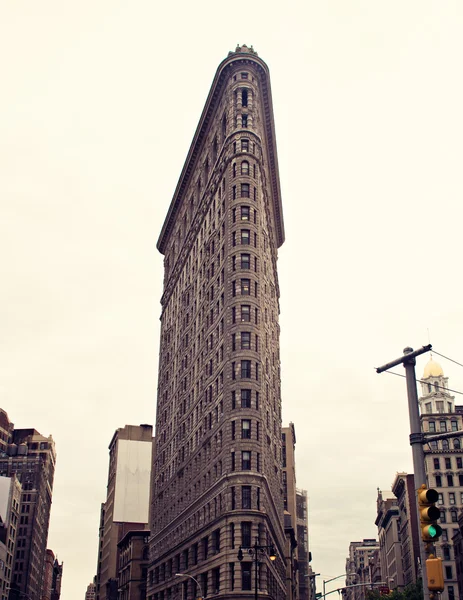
{"x":132,"y":490}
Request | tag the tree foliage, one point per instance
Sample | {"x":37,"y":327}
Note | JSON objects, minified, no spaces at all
{"x":414,"y":591}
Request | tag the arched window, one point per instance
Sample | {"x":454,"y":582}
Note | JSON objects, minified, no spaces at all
{"x":445,"y":444}
{"x":456,"y":444}
{"x":245,"y":168}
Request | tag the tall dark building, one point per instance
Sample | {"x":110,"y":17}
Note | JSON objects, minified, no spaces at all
{"x":217,"y":476}
{"x":32,"y":457}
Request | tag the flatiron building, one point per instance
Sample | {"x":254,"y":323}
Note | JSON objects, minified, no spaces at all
{"x":217,"y":473}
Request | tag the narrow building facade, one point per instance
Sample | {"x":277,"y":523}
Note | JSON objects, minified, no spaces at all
{"x":217,"y":477}
{"x":127,"y":502}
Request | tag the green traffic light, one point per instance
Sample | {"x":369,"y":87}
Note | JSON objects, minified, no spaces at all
{"x":432,"y":532}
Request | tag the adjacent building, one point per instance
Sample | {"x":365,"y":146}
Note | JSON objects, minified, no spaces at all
{"x":133,"y":565}
{"x":388,"y":523}
{"x":127,"y":502}
{"x":444,"y":463}
{"x":296,"y":520}
{"x":362,"y":568}
{"x":90,"y":594}
{"x":31,"y":457}
{"x":217,"y":477}
{"x":10,"y":502}
{"x":403,"y":488}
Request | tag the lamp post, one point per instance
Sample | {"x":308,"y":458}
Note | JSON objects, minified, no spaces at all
{"x":194,"y":579}
{"x":325,"y":581}
{"x":255,"y":552}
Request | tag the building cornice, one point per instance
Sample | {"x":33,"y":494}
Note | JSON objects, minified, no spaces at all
{"x":210,"y":107}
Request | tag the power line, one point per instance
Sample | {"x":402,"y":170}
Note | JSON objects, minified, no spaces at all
{"x":421,"y":381}
{"x":447,"y":358}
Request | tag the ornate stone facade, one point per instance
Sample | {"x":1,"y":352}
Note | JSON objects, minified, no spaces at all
{"x":217,"y":477}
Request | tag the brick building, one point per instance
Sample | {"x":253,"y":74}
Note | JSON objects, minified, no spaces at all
{"x":217,"y":477}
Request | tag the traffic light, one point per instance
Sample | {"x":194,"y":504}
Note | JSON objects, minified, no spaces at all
{"x":435,"y":574}
{"x":429,"y":514}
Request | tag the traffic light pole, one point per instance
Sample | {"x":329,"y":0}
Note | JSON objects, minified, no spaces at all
{"x":416,"y":437}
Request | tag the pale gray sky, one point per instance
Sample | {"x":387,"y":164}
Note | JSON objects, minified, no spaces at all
{"x":98,"y":105}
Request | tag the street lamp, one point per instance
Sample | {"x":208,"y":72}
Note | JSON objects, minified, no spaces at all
{"x":194,"y":579}
{"x":325,"y":581}
{"x":255,"y":552}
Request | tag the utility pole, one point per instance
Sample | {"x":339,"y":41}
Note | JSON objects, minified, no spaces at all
{"x":416,"y":437}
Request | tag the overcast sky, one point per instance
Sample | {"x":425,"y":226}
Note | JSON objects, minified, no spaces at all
{"x":99,"y":101}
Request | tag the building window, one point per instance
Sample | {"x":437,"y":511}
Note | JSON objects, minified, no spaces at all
{"x":246,"y":429}
{"x":440,"y":499}
{"x":448,"y":463}
{"x":245,"y":460}
{"x":448,"y":572}
{"x":246,"y":533}
{"x":454,"y":516}
{"x":451,"y":592}
{"x":443,"y":518}
{"x":244,"y":75}
{"x":443,"y":426}
{"x":233,"y":429}
{"x":205,"y":546}
{"x":232,"y":575}
{"x":245,"y":237}
{"x":244,"y":97}
{"x":432,"y":426}
{"x":446,"y":550}
{"x":245,"y":190}
{"x":445,"y":444}
{"x":233,"y":496}
{"x":245,"y":340}
{"x":246,"y":496}
{"x":245,"y":369}
{"x":246,"y":576}
{"x":436,"y":463}
{"x":232,"y":461}
{"x":245,"y":313}
{"x":245,"y":261}
{"x":245,"y":287}
{"x":438,"y":481}
{"x":245,"y":398}
{"x":456,"y":444}
{"x":216,"y":540}
{"x":245,"y":214}
{"x":439,"y":406}
{"x":445,"y":536}
{"x":460,"y":480}
{"x":245,"y":168}
{"x":244,"y":145}
{"x":428,"y":408}
{"x":454,"y":425}
{"x":244,"y":120}
{"x":216,"y":580}
{"x":452,"y":498}
{"x":459,"y":462}
{"x":232,"y":535}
